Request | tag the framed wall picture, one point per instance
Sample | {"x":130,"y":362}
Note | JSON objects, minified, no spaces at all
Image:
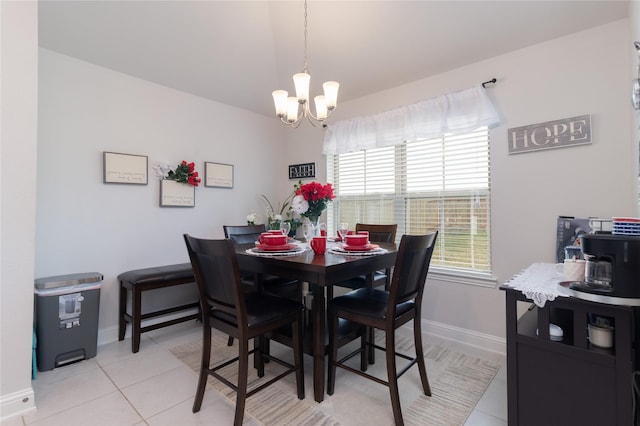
{"x":177,"y":194}
{"x":302,"y":171}
{"x":561,"y":133}
{"x":218,"y":175}
{"x":124,"y":168}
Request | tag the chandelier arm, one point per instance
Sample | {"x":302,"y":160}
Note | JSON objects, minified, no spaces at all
{"x":310,"y":114}
{"x":307,"y":113}
{"x":295,"y":123}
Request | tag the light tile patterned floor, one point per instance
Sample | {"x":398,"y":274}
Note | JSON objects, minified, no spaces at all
{"x":119,"y":388}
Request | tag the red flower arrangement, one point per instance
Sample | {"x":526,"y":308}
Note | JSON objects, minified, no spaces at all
{"x":185,"y":173}
{"x":311,"y":199}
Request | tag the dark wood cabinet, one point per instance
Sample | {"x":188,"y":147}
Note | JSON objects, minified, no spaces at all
{"x":568,"y":382}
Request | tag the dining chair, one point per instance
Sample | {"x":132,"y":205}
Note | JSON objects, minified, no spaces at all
{"x":279,"y":286}
{"x":285,"y":287}
{"x":377,"y":234}
{"x":245,"y":316}
{"x":387,"y":310}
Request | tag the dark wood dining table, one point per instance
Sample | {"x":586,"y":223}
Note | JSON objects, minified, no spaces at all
{"x":321,"y":272}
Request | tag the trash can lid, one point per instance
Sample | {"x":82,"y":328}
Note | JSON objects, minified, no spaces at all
{"x":67,"y":280}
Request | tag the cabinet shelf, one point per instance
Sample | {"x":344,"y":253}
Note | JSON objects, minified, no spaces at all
{"x":528,"y":333}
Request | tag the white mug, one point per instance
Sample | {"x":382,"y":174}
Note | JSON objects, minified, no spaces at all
{"x":571,"y":269}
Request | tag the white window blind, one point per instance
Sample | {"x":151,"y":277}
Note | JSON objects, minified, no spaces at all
{"x":437,"y":184}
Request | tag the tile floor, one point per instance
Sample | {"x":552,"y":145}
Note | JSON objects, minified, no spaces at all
{"x":119,"y":388}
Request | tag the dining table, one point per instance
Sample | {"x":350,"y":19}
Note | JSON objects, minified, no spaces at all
{"x":322,"y":272}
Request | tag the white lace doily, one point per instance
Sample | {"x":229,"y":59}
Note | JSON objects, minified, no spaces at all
{"x":539,"y":282}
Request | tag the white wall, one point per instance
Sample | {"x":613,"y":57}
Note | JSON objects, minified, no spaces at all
{"x":85,"y":225}
{"x":18,"y":139}
{"x":634,"y":25}
{"x":584,"y":73}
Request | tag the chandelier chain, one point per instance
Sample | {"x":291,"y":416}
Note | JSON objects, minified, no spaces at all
{"x":305,"y":36}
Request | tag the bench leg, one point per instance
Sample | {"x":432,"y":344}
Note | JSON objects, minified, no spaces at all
{"x":136,"y":313}
{"x":122,"y":323}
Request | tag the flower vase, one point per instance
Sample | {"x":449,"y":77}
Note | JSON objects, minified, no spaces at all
{"x":312,"y":223}
{"x":275,"y":224}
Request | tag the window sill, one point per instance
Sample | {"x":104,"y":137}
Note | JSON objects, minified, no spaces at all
{"x":462,"y":277}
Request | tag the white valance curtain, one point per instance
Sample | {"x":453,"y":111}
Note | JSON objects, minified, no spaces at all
{"x":451,"y":113}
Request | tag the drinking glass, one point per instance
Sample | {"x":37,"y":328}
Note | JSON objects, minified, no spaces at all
{"x":285,"y":227}
{"x":343,"y":230}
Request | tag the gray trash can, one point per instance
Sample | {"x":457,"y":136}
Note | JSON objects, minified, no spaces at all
{"x":66,"y":314}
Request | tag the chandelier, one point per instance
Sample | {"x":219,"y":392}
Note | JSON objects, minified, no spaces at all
{"x":291,"y":110}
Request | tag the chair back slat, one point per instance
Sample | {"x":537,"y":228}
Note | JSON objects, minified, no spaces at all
{"x":215,"y":268}
{"x":243,"y":234}
{"x":411,"y":267}
{"x":379,"y":233}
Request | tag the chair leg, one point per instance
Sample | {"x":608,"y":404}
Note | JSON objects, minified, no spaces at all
{"x":297,"y":352}
{"x":333,"y":352}
{"x":364,"y":358}
{"x":372,"y":340}
{"x":243,"y":373}
{"x":329,"y":293}
{"x":417,"y":338}
{"x":258,"y":359}
{"x":393,"y":376}
{"x":299,"y":295}
{"x":230,"y":341}
{"x":204,"y":367}
{"x":267,"y":349}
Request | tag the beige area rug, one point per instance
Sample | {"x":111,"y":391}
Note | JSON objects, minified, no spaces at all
{"x":457,"y":383}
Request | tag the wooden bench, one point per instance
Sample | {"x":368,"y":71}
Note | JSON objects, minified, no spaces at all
{"x":141,"y":280}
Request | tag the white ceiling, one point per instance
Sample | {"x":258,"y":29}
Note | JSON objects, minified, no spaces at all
{"x":237,"y":52}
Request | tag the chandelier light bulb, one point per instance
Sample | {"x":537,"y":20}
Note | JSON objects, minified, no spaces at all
{"x":321,"y":107}
{"x":331,"y":93}
{"x":292,"y":109}
{"x":280,"y":102}
{"x":301,"y":81}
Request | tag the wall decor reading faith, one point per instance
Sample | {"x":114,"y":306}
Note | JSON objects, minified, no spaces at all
{"x":177,"y":194}
{"x":124,"y":168}
{"x":551,"y":134}
{"x":301,"y":171}
{"x":217,"y":175}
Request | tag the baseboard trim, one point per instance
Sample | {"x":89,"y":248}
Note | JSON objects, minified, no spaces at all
{"x":110,"y":335}
{"x":17,"y":404}
{"x":469,"y":337}
{"x":483,"y":341}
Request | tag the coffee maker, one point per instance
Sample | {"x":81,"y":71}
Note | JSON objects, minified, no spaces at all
{"x":612,"y":269}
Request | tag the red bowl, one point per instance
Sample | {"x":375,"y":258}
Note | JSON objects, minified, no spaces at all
{"x":356,"y":240}
{"x":275,"y":240}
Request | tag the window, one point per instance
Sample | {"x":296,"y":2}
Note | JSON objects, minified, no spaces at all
{"x":437,"y":184}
